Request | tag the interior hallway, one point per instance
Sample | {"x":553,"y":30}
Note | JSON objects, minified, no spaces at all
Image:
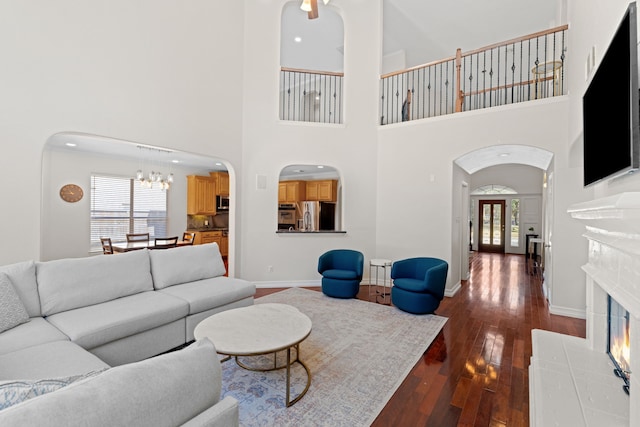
{"x":476,"y":371}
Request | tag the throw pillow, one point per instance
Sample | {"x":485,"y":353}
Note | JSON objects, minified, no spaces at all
{"x":12,"y":311}
{"x":14,"y":392}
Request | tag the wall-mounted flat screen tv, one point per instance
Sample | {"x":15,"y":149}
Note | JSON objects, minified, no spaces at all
{"x":611,"y":113}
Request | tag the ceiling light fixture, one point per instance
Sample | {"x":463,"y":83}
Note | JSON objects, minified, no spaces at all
{"x":311,"y":7}
{"x":154,"y":177}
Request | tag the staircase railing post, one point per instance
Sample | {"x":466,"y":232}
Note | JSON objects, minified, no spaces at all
{"x":459,"y":93}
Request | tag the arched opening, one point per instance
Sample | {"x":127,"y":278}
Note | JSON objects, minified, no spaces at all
{"x":508,"y":193}
{"x":312,"y":62}
{"x":74,"y":229}
{"x":309,"y":199}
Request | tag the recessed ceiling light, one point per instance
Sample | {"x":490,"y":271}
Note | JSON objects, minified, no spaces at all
{"x":505,"y":154}
{"x":297,"y":39}
{"x":218,"y":164}
{"x":175,"y":161}
{"x":320,"y":167}
{"x":70,"y":144}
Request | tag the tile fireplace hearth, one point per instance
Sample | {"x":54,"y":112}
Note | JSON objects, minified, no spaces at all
{"x":571,"y":379}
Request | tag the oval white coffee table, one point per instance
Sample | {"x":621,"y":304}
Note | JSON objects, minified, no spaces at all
{"x":257,"y":330}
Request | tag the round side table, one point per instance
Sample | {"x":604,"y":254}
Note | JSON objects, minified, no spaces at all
{"x":383,"y":266}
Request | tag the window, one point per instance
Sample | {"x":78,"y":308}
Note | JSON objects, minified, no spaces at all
{"x":515,"y":222}
{"x":120,"y":206}
{"x":493,"y":189}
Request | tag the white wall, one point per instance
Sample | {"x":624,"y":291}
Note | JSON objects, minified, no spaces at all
{"x":164,"y":73}
{"x":269,"y":145}
{"x":522,"y":178}
{"x":593,"y":24}
{"x":416,"y":173}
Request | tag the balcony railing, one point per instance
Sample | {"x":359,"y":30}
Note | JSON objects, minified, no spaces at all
{"x":310,"y":96}
{"x":518,"y":70}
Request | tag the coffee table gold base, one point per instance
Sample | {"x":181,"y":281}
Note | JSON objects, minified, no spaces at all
{"x":288,"y":364}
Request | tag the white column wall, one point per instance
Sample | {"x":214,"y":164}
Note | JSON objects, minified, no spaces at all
{"x":157,"y":72}
{"x":270,"y":144}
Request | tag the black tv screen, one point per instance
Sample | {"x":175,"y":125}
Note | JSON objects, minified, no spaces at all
{"x":611,"y":113}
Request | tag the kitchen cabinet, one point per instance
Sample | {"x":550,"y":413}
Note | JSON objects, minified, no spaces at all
{"x":292,"y":191}
{"x":323,"y":191}
{"x":203,"y":237}
{"x":224,"y":246}
{"x":201,"y":195}
{"x":222,"y":183}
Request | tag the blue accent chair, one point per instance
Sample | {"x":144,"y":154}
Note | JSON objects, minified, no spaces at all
{"x":341,"y":271}
{"x":418,"y":284}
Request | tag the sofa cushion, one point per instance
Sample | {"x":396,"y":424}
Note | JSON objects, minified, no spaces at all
{"x":98,"y":324}
{"x":23,"y":278}
{"x":12,"y":311}
{"x":35,"y":331}
{"x":49,"y":360}
{"x":17,"y":391}
{"x":203,"y":295}
{"x":70,"y":283}
{"x":186,"y":264}
{"x":166,"y":390}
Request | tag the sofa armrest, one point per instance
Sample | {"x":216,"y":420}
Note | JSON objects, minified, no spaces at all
{"x":166,"y":390}
{"x":223,"y":414}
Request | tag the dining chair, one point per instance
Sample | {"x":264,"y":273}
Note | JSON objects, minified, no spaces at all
{"x":165,"y":242}
{"x":137,"y":237}
{"x":107,"y":248}
{"x":188,"y":237}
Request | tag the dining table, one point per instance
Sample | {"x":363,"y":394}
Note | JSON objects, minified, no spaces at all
{"x":120,"y":247}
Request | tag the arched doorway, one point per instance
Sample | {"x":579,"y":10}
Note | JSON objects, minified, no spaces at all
{"x":509,"y":182}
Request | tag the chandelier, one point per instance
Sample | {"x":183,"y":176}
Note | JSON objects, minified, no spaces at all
{"x":311,"y":7}
{"x":153,"y":178}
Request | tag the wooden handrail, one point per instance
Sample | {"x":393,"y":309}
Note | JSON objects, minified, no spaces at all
{"x":417,"y":67}
{"x":323,"y":73}
{"x":518,"y":39}
{"x":482,"y":49}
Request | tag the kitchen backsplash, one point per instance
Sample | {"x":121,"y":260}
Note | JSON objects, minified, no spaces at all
{"x":198,"y":222}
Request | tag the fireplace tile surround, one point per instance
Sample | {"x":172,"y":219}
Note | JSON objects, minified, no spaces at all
{"x":571,"y":379}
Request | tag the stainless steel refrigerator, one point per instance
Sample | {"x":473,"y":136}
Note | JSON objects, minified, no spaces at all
{"x":318,"y":216}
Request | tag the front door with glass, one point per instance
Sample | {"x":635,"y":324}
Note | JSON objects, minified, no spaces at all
{"x":492,"y":213}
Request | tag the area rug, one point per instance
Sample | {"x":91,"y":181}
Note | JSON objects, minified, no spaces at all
{"x":358,"y":353}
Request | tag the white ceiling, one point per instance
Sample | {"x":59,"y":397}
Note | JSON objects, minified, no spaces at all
{"x":425,"y":31}
{"x":128,"y":149}
{"x":504,"y":154}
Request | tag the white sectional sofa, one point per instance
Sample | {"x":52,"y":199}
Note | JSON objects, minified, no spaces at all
{"x":90,"y":314}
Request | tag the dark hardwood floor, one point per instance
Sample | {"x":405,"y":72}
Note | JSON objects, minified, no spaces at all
{"x":476,"y":371}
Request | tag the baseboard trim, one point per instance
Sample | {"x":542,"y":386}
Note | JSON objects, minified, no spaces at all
{"x":568,"y":312}
{"x":451,"y":292}
{"x":288,"y":284}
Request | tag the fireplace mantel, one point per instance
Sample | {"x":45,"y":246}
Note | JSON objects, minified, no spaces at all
{"x":571,"y":379}
{"x":613,"y":230}
{"x":615,"y":214}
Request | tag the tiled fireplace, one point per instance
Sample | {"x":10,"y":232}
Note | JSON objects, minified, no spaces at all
{"x":571,"y":379}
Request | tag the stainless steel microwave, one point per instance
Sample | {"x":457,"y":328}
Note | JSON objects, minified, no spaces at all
{"x":222,"y":203}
